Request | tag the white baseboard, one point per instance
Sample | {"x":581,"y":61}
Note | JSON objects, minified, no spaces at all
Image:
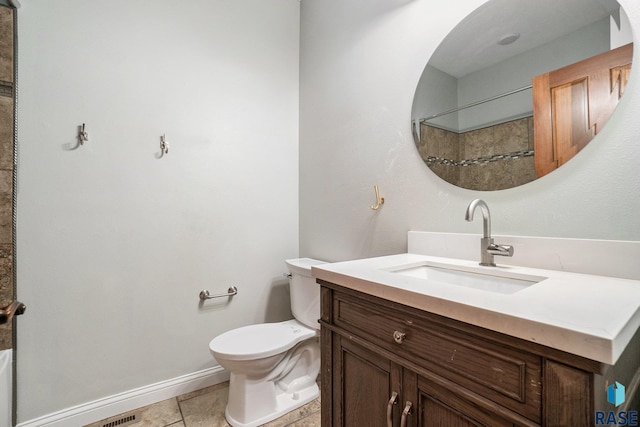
{"x":127,"y":401}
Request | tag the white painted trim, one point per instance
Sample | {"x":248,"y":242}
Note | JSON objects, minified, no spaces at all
{"x":133,"y":399}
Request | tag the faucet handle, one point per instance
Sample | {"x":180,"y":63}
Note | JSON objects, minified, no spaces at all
{"x":502,"y":250}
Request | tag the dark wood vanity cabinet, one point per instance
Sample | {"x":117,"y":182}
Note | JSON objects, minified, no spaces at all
{"x":386,"y":364}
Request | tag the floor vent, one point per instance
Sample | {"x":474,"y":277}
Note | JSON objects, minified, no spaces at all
{"x":122,"y":422}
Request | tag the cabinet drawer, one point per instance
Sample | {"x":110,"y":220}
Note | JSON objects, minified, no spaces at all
{"x":451,"y":349}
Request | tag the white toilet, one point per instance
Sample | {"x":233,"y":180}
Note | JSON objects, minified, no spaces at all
{"x":274,"y":366}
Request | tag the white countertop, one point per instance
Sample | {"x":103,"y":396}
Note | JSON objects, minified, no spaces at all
{"x":590,"y":316}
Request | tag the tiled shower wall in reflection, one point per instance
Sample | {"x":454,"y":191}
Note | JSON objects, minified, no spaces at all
{"x":492,"y":158}
{"x":6,"y":165}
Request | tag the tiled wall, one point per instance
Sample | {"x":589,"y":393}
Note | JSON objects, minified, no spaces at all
{"x":6,"y":166}
{"x":491,"y":158}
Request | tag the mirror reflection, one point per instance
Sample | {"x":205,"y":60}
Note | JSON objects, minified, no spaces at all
{"x":518,"y":88}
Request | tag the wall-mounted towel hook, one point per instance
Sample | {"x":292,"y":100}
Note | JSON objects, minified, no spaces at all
{"x":83,"y":135}
{"x":164,"y":145}
{"x":379,"y":200}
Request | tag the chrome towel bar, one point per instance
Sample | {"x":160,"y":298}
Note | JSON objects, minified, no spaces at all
{"x":204,"y":294}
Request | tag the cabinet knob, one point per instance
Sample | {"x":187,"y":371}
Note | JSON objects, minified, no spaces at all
{"x":399,"y":336}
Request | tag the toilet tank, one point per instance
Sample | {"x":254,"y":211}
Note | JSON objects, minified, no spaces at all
{"x":305,"y":292}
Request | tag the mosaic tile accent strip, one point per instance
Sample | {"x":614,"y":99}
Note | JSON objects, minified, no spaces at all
{"x":432,"y":160}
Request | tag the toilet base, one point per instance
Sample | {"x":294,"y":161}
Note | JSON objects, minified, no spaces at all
{"x":285,"y":402}
{"x":260,"y":392}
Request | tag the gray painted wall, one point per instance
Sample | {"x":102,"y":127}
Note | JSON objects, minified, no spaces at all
{"x":360,"y":64}
{"x":114,"y":244}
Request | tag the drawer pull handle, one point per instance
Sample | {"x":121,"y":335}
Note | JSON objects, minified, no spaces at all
{"x":399,"y":336}
{"x":392,"y":401}
{"x":407,"y":411}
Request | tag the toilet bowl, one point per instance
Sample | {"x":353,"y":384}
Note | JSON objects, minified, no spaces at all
{"x":274,"y":366}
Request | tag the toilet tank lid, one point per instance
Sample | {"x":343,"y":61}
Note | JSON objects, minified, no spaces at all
{"x":302,"y":265}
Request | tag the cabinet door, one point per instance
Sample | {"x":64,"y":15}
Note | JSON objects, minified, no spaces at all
{"x":363,"y":385}
{"x":439,"y":406}
{"x":572,"y":104}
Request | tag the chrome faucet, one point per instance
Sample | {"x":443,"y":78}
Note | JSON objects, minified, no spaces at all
{"x":487,"y":248}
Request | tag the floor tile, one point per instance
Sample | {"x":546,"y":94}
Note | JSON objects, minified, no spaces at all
{"x":312,"y":420}
{"x":302,"y":412}
{"x":205,"y":409}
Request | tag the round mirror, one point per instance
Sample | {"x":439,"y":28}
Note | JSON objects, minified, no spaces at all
{"x":518,"y":88}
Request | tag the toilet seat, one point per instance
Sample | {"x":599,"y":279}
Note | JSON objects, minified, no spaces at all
{"x":260,"y":341}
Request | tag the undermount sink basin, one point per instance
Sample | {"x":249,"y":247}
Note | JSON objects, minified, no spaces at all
{"x":487,"y":280}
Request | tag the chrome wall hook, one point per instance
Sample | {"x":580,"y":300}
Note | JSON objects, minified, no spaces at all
{"x":164,"y":145}
{"x":83,"y":135}
{"x":379,"y":200}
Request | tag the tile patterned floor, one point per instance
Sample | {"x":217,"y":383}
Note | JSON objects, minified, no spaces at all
{"x":205,"y":408}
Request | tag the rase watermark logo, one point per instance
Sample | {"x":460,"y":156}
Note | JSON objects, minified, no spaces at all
{"x":615,"y":396}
